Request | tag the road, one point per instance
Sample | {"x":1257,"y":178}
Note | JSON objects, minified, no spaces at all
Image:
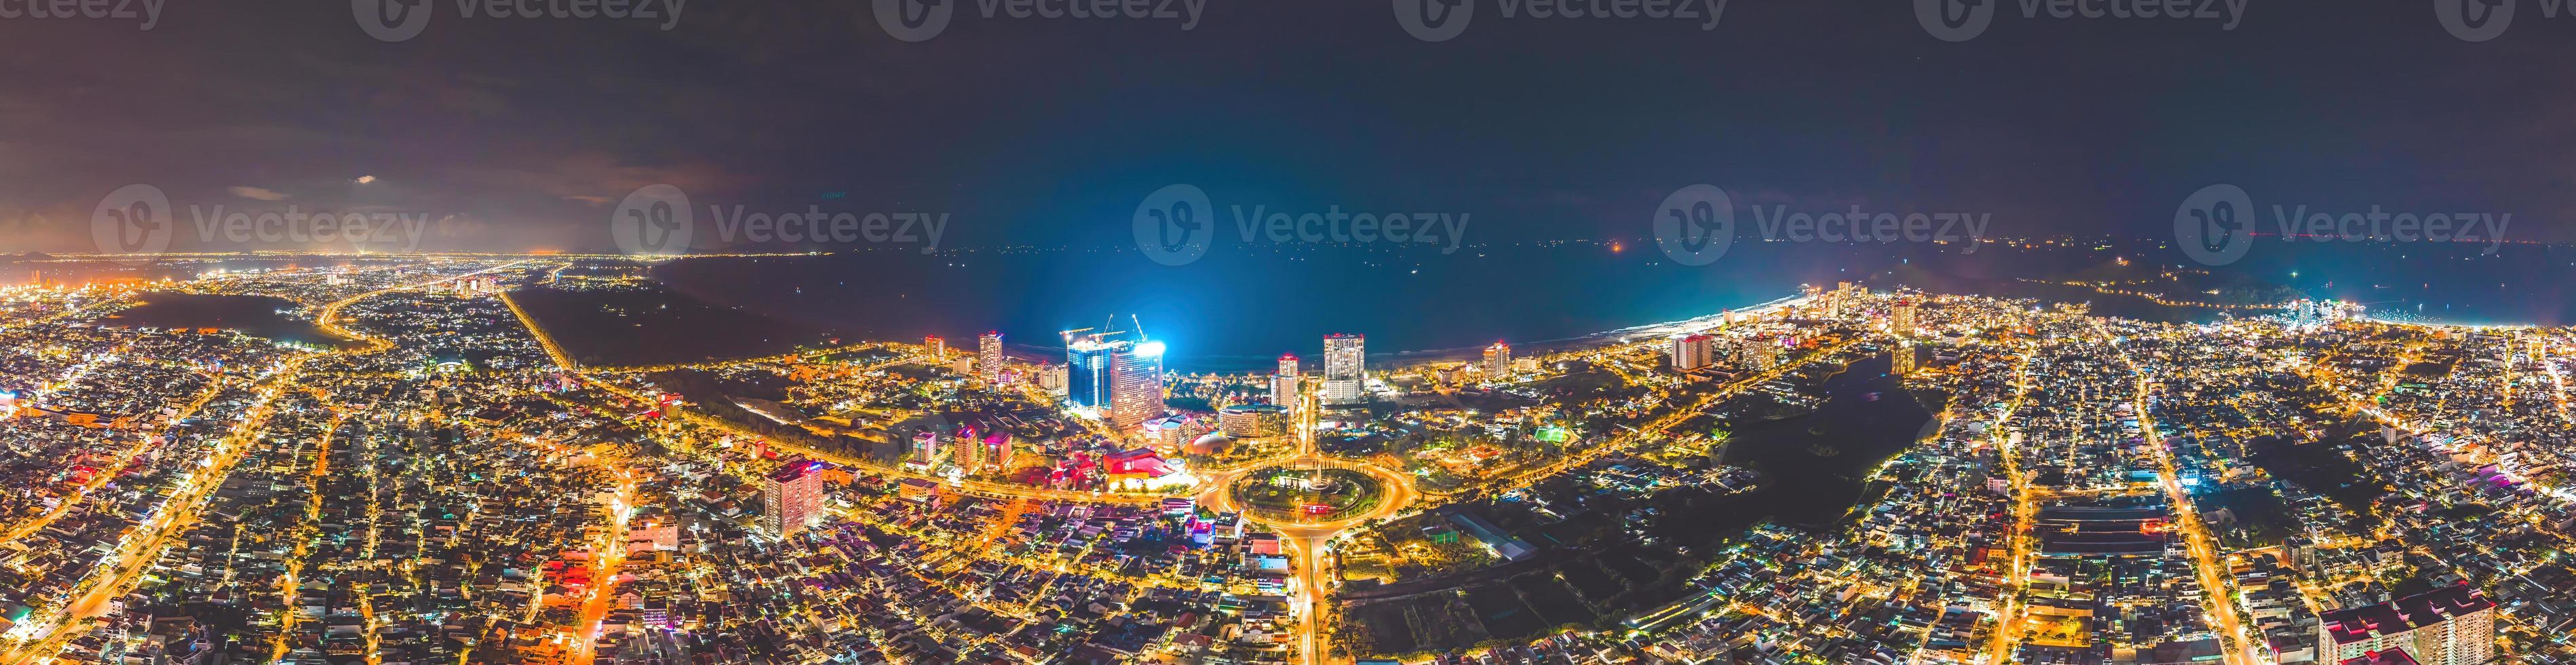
{"x":2025,"y":509}
{"x":304,"y":534}
{"x":2217,"y":596}
{"x":29,"y":527}
{"x":1308,"y":542}
{"x":611,"y":556}
{"x":121,"y":569}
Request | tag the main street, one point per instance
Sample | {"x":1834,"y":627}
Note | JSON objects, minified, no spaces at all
{"x":2217,"y":596}
{"x":2025,"y":510}
{"x":607,"y":557}
{"x":1309,"y":541}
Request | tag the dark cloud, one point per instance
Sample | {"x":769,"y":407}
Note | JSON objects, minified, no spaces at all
{"x":1047,"y":131}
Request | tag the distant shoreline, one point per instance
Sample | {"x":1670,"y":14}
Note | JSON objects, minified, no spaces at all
{"x":1465,"y":353}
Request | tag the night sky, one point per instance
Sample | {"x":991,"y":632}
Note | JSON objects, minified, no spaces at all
{"x":525,"y":133}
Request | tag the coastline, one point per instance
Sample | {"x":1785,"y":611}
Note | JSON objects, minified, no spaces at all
{"x":1467,"y":353}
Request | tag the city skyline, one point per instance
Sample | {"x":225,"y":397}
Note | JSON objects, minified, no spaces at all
{"x":2060,"y":484}
{"x":1455,"y":332}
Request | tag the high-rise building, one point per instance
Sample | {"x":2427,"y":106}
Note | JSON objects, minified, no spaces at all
{"x":967,"y":454}
{"x":1053,"y":378}
{"x":1901,"y":319}
{"x":938,"y":347}
{"x":988,"y":357}
{"x":1498,"y":361}
{"x":1086,"y":361}
{"x":2447,"y":626}
{"x":1135,"y":384}
{"x":925,"y":447}
{"x":1283,"y":385}
{"x":789,"y":497}
{"x":1690,"y":352}
{"x":1345,"y":369}
{"x":1761,"y":354}
{"x":1284,"y":390}
{"x":997,"y":450}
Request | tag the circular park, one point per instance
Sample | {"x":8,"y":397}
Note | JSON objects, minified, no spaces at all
{"x":1307,"y":494}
